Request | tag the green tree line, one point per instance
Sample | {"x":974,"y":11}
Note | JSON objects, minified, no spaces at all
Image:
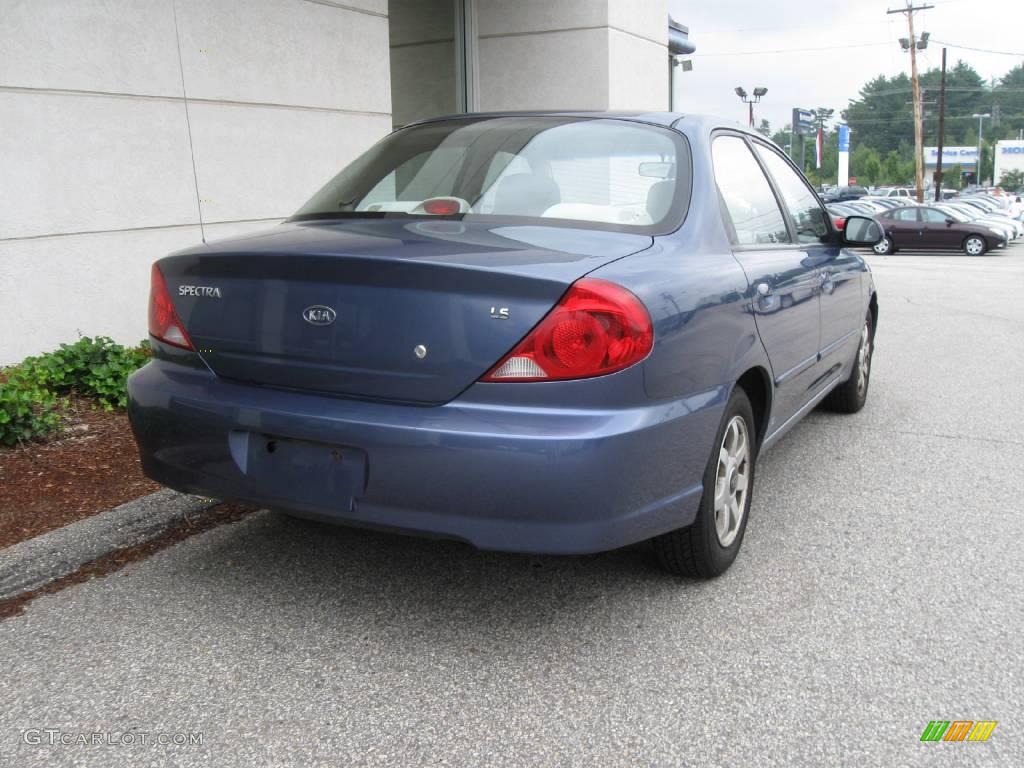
{"x":881,"y":121}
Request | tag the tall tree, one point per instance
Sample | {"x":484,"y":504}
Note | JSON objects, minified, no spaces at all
{"x":883,"y":116}
{"x":1009,"y":95}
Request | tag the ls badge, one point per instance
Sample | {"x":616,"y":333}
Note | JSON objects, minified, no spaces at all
{"x":500,"y":313}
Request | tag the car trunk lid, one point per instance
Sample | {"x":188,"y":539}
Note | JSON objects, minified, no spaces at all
{"x":389,"y":309}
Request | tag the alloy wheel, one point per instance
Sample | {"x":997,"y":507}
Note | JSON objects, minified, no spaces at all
{"x":864,"y":360}
{"x":882,"y":246}
{"x":732,"y":480}
{"x":974,"y":246}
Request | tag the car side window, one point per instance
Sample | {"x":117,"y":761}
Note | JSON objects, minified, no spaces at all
{"x":906,"y":214}
{"x":753,"y":210}
{"x":933,"y":216}
{"x":803,"y":205}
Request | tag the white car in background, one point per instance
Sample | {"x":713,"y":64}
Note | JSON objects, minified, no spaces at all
{"x":901,"y":192}
{"x":1008,"y":228}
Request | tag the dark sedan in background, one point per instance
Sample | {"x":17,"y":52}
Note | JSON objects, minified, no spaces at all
{"x":923,"y":227}
{"x":842,"y":194}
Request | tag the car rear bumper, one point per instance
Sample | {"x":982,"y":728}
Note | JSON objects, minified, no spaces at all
{"x":526,"y":479}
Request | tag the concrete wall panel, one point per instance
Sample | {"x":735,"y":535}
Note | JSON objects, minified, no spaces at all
{"x":117,"y":46}
{"x":501,"y":17}
{"x":285,"y":53}
{"x":647,"y":19}
{"x":517,"y":72}
{"x":261,"y":162}
{"x":638,"y":73}
{"x":77,"y":163}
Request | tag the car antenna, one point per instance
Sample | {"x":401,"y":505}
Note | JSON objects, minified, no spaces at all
{"x":188,"y":122}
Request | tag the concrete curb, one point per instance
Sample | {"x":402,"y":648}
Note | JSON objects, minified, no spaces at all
{"x":35,"y":562}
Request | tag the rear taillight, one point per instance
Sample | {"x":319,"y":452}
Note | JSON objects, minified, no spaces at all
{"x":597,"y":328}
{"x":164,"y":323}
{"x":840,"y":222}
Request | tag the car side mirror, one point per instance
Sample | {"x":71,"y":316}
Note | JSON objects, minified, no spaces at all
{"x":950,"y":222}
{"x":861,"y":231}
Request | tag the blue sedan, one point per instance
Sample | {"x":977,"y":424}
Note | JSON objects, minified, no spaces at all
{"x":550,"y":333}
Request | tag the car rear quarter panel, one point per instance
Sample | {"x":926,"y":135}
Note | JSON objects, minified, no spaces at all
{"x":698,"y":297}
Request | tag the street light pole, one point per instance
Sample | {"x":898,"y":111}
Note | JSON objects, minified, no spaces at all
{"x":750,"y":100}
{"x":977,"y":168}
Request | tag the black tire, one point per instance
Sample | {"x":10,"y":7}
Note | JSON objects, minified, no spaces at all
{"x":884,"y":247}
{"x":850,"y":396}
{"x":982,"y":245}
{"x":697,"y":550}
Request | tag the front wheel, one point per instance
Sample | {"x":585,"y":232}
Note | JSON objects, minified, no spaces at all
{"x":975,"y":245}
{"x":884,"y":246}
{"x":708,"y":547}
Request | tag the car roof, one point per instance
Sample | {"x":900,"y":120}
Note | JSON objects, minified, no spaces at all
{"x":686,"y":122}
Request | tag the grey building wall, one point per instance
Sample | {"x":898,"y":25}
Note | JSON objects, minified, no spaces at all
{"x":573,"y":54}
{"x":423,"y":81}
{"x":94,"y":154}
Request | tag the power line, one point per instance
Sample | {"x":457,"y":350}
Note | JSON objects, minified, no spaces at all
{"x":796,"y":50}
{"x":979,"y":50}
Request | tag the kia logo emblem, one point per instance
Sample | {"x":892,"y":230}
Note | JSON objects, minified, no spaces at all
{"x":318,"y":314}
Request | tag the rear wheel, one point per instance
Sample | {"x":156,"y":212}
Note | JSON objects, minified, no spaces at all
{"x":708,"y":547}
{"x":884,"y":246}
{"x":975,"y":245}
{"x":850,"y":396}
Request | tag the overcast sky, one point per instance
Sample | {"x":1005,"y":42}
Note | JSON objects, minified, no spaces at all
{"x":724,"y":29}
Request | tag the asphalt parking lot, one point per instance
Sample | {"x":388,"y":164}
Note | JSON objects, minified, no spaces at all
{"x":880,"y":587}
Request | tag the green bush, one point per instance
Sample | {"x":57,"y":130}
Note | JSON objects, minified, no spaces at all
{"x":26,"y":414}
{"x":91,"y":367}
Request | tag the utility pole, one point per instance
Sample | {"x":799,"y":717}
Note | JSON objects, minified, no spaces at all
{"x":912,"y":44}
{"x":942,"y":130}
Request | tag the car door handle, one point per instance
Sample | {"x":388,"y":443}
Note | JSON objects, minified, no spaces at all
{"x":827,"y":283}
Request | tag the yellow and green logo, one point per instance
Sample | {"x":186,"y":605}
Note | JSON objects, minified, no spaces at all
{"x":958,"y":730}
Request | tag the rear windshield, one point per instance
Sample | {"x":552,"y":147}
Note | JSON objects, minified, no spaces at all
{"x":596,"y":173}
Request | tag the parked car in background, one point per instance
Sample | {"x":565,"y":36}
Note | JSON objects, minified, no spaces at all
{"x":866,"y":207}
{"x":455,"y":337}
{"x":1005,"y":227}
{"x":839,"y":194}
{"x":900,"y":192}
{"x":1001,"y":219}
{"x":884,"y":202}
{"x":840,"y":212}
{"x":927,"y":227}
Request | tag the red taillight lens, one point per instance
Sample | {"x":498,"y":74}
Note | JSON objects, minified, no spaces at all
{"x":164,"y":323}
{"x":597,"y":328}
{"x":840,"y":222}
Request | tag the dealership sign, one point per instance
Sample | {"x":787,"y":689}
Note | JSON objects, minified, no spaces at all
{"x":844,"y":138}
{"x":1009,"y":157}
{"x":803,"y":121}
{"x":962,"y":156}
